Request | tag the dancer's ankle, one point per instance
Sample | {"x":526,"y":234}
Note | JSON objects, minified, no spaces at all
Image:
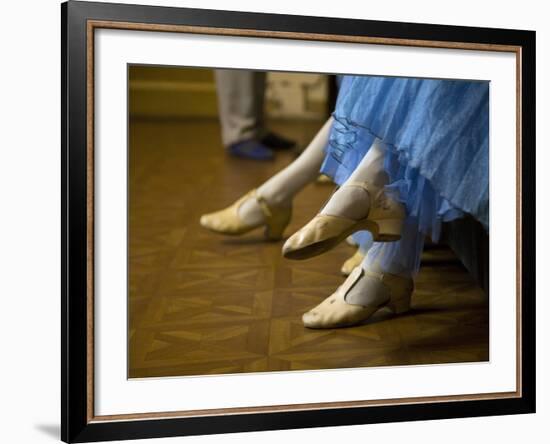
{"x":274,"y":198}
{"x":379,"y":178}
{"x":251,"y":212}
{"x":393,"y":269}
{"x":352,"y":202}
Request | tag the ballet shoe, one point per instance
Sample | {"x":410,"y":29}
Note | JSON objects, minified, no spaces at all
{"x":384,"y":220}
{"x":394,"y":293}
{"x":228,"y":221}
{"x":324,"y":180}
{"x":352,"y":262}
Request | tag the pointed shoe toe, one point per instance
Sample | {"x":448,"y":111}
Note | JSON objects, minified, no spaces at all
{"x":320,"y":234}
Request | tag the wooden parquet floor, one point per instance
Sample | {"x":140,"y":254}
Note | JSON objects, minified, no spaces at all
{"x":200,"y":303}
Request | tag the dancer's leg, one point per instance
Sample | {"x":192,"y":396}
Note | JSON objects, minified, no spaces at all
{"x":400,"y":258}
{"x":280,"y":189}
{"x":353,"y":202}
{"x":270,"y":204}
{"x":383,"y":279}
{"x":360,"y":203}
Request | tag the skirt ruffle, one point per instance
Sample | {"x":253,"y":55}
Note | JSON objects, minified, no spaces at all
{"x":435,"y":134}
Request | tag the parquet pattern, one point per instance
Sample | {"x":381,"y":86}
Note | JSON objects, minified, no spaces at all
{"x":201,"y":303}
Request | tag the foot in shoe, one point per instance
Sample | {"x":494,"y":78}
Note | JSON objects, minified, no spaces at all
{"x":355,"y":206}
{"x":248,"y":213}
{"x":359,"y":297}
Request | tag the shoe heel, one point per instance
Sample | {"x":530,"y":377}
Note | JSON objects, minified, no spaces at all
{"x":274,"y":233}
{"x":389,"y":230}
{"x":276,"y":225}
{"x":400,"y":304}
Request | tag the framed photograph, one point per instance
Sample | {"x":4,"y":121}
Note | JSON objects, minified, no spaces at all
{"x":275,"y":221}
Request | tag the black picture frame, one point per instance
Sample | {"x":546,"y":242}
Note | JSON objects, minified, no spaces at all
{"x":76,"y":424}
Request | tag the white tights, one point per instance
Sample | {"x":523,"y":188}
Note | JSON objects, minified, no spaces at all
{"x":280,"y":189}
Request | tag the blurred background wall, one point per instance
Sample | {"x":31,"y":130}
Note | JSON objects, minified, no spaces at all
{"x":174,"y":92}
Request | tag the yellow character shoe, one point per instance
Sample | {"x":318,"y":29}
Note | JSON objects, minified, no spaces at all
{"x":384,"y":290}
{"x":384,"y":220}
{"x":352,"y":262}
{"x":227,"y":221}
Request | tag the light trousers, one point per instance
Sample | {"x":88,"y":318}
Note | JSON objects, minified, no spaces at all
{"x":241,"y":104}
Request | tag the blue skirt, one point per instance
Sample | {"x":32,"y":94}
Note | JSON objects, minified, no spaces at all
{"x":436,"y":135}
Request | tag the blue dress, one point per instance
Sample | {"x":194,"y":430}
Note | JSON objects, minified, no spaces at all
{"x":436,"y":139}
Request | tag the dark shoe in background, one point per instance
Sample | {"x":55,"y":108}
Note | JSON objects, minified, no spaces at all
{"x":250,"y":149}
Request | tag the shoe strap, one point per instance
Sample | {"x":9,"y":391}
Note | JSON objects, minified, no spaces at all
{"x":356,"y":183}
{"x":250,"y":195}
{"x":264,"y":206}
{"x":357,"y":274}
{"x":353,"y":277}
{"x":385,"y":278}
{"x":375,"y":274}
{"x":368,"y":187}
